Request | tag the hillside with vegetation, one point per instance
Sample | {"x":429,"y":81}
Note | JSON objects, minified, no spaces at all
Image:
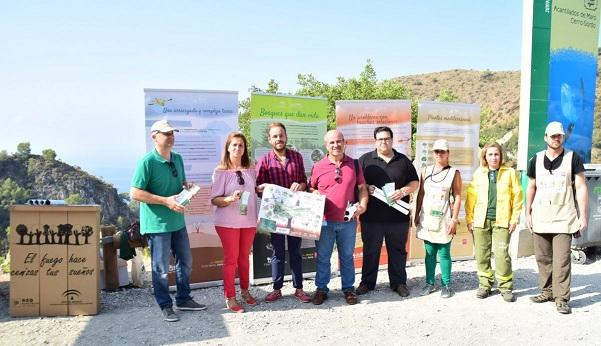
{"x":24,"y":175}
{"x":498,"y":94}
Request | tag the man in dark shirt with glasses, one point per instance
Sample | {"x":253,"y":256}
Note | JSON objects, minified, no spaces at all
{"x":382,"y":166}
{"x":158,"y":178}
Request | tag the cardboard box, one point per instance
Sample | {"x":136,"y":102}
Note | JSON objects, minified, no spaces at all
{"x":24,"y":268}
{"x":121,"y":270}
{"x":521,"y":243}
{"x":61,"y":244}
{"x":416,"y":246}
{"x":462,"y":245}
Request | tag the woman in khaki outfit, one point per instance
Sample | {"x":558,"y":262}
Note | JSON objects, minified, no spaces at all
{"x":492,"y":208}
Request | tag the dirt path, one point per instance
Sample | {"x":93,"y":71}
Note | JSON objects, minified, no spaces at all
{"x":131,"y":316}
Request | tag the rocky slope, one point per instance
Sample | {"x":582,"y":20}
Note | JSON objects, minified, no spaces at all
{"x":52,"y":179}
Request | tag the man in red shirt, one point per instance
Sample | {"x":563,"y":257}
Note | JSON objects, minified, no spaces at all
{"x":337,"y":176}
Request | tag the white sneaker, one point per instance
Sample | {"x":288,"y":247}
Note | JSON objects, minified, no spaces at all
{"x":446,"y":292}
{"x":427,"y":290}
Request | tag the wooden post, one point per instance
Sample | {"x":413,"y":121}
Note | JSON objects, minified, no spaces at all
{"x":110,"y":244}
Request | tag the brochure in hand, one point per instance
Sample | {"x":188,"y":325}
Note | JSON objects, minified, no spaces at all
{"x":298,"y":214}
{"x":399,"y":205}
{"x":186,"y":195}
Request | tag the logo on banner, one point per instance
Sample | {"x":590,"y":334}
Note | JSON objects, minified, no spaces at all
{"x":590,"y":4}
{"x":159,"y":102}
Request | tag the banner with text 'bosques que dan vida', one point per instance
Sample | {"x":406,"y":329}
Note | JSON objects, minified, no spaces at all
{"x":305,"y":119}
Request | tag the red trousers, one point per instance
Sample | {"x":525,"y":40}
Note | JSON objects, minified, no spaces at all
{"x":236,"y":244}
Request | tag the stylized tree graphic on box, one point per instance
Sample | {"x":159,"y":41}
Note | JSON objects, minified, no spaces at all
{"x":52,"y":234}
{"x":30,"y":234}
{"x":21,"y":231}
{"x":76,"y":233}
{"x":38,"y":233}
{"x":61,"y":233}
{"x":86,"y":231}
{"x":67,"y":230}
{"x":46,"y":234}
{"x":64,"y":232}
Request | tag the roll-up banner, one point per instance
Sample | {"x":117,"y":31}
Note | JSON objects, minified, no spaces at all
{"x":357,"y":119}
{"x":204,"y":118}
{"x":559,"y":72}
{"x":459,"y":124}
{"x":305,"y":119}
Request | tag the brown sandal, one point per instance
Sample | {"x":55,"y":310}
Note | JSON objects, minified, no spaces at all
{"x":233,"y":305}
{"x":250,"y":300}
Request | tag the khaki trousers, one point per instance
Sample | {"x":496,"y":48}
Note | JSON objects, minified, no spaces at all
{"x":552,"y":251}
{"x":496,"y":239}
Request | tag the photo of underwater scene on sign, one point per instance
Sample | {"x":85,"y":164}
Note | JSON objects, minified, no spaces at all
{"x":298,"y":214}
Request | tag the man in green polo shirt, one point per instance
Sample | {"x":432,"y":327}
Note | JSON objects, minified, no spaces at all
{"x":158,"y":178}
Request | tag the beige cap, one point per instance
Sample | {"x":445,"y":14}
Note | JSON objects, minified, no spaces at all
{"x":441,"y":144}
{"x":554,"y":128}
{"x":162,"y":126}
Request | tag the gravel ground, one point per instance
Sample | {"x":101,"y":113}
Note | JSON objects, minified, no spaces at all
{"x":382,"y":317}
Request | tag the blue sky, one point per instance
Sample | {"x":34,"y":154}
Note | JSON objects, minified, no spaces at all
{"x":73,"y":72}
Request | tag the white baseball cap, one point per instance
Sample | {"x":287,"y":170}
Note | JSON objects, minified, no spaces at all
{"x":441,"y":144}
{"x":162,"y":126}
{"x":554,"y":128}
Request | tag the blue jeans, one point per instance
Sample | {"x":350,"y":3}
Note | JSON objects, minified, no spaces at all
{"x":162,"y":246}
{"x":344,"y":234}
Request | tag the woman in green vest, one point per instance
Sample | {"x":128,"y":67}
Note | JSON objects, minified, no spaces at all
{"x":492,"y":208}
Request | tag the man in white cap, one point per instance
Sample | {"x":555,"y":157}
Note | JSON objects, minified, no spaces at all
{"x":158,"y":178}
{"x":557,"y":184}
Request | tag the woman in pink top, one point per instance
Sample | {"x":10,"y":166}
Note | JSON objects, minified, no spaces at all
{"x":233,"y":193}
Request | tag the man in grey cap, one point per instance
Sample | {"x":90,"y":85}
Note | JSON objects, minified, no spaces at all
{"x":556,"y":185}
{"x":158,"y":178}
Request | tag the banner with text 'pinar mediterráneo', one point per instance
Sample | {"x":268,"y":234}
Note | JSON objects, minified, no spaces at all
{"x":559,"y":72}
{"x":204,"y":118}
{"x":305,"y":119}
{"x":459,"y":124}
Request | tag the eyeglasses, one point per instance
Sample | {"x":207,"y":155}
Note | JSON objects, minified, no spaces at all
{"x":240,"y":178}
{"x":384,"y":140}
{"x":338,"y":175}
{"x":167,"y":134}
{"x":439,"y":151}
{"x":173,"y":169}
